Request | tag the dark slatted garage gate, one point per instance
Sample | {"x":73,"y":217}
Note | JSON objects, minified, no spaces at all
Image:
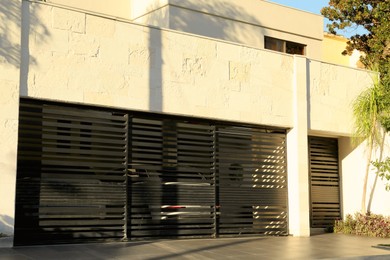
{"x":325,"y":181}
{"x":90,"y":174}
{"x":71,"y":179}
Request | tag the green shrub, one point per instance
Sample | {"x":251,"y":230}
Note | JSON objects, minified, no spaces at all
{"x":383,"y":170}
{"x":372,"y":225}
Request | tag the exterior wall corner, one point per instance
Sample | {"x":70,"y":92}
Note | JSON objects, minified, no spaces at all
{"x":10,"y":45}
{"x":297,"y":155}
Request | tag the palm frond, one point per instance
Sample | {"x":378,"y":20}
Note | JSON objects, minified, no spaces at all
{"x":368,"y":108}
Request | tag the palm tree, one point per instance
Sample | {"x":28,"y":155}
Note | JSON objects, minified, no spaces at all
{"x":368,"y":109}
{"x":384,"y":120}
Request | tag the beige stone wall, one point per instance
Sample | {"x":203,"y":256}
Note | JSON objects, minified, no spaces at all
{"x":85,"y":58}
{"x":10,"y":59}
{"x":332,"y":89}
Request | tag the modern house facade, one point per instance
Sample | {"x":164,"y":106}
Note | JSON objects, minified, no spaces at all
{"x":153,"y":119}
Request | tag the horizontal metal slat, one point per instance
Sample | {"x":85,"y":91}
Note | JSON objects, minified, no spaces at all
{"x":60,"y":195}
{"x":324,"y":176}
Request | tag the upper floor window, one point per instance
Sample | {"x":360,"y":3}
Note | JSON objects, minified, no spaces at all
{"x":284,"y":46}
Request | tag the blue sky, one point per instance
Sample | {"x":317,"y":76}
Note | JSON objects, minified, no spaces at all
{"x":313,"y":6}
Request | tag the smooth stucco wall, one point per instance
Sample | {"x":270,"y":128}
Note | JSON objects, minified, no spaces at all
{"x":10,"y":57}
{"x":268,"y":14}
{"x":118,"y":8}
{"x":245,"y":22}
{"x":144,"y":7}
{"x":236,"y":31}
{"x":85,"y":58}
{"x":353,"y":160}
{"x":158,"y":18}
{"x":332,"y":48}
{"x":297,"y":155}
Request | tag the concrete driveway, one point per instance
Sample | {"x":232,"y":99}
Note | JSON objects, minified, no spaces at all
{"x":324,"y":246}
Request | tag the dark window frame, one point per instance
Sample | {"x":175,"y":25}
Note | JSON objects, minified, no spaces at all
{"x":284,"y":46}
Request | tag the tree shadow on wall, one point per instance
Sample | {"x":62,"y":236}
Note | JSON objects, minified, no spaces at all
{"x":229,"y":22}
{"x":199,"y":22}
{"x":9,"y":24}
{"x":16,"y":16}
{"x":203,"y":24}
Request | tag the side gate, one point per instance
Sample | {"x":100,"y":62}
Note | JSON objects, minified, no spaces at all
{"x":252,"y":181}
{"x":324,"y":181}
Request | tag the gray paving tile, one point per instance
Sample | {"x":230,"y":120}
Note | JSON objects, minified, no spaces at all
{"x":326,"y":246}
{"x":14,"y":257}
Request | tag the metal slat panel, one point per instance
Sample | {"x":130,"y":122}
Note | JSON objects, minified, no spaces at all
{"x":324,"y":179}
{"x":71,"y":175}
{"x":252,"y":187}
{"x":171,"y":179}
